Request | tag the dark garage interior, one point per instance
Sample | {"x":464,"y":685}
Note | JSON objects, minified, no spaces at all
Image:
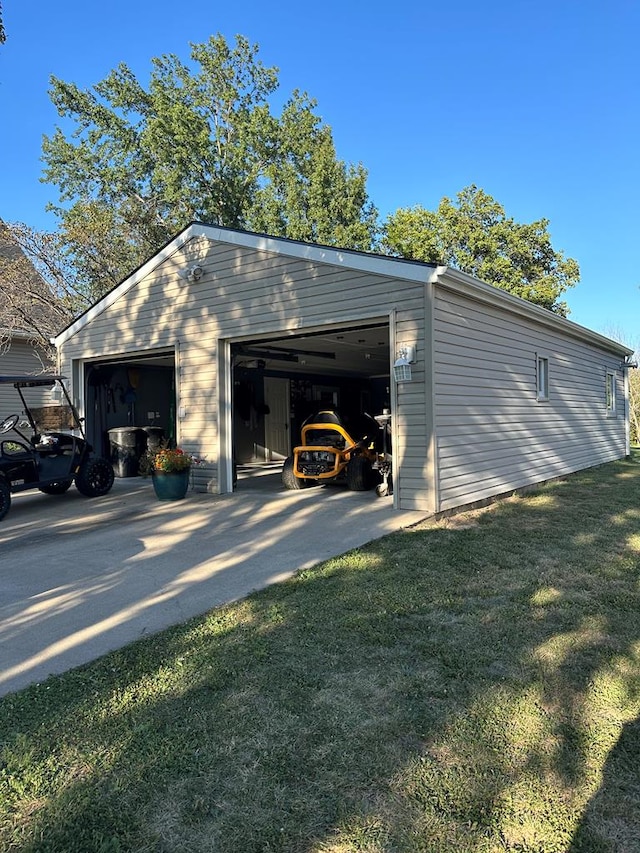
{"x":278,"y":383}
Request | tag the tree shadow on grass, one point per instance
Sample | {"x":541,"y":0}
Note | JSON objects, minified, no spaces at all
{"x":611,"y":823}
{"x":457,"y":688}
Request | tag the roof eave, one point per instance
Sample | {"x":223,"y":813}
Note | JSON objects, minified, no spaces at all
{"x":397,"y":268}
{"x":488,"y":293}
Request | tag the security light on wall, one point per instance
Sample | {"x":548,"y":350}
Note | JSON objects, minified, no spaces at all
{"x":55,"y":394}
{"x":193,"y":273}
{"x":402,"y":365}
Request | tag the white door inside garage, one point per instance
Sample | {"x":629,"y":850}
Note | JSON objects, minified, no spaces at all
{"x":277,"y":418}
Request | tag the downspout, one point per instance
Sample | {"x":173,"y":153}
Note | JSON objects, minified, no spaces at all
{"x":627,"y":411}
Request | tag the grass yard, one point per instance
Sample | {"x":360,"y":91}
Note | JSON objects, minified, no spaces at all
{"x":473,"y":685}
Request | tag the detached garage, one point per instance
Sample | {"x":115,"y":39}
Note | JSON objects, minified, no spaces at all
{"x":226,"y":340}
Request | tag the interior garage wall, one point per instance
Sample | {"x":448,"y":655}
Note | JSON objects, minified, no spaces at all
{"x":123,"y":395}
{"x":492,"y":433}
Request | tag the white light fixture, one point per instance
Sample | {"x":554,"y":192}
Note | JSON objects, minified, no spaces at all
{"x":402,"y":365}
{"x":192,"y":273}
{"x":55,"y":394}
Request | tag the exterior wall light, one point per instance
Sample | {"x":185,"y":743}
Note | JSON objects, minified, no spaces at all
{"x":192,"y":273}
{"x":402,"y":365}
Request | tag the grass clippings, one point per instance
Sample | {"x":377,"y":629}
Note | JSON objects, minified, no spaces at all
{"x":469,"y":685}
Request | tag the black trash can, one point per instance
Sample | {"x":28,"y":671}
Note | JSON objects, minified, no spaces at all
{"x":127,"y":445}
{"x":155,"y":437}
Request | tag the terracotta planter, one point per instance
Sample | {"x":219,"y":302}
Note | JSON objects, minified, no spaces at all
{"x":171,"y":486}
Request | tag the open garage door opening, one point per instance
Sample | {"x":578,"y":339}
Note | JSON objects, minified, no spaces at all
{"x":280,"y":382}
{"x":130,"y":401}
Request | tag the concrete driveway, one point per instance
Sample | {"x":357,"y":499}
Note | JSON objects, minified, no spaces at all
{"x":80,"y":577}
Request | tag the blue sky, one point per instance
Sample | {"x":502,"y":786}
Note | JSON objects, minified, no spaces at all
{"x":535,"y":101}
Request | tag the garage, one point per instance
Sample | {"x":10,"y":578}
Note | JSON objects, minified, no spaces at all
{"x":227,"y":339}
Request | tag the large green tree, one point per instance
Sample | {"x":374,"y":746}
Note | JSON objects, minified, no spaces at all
{"x":201,"y":141}
{"x":474,"y":234}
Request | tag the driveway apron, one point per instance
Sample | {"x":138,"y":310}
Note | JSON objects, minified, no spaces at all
{"x":80,"y":577}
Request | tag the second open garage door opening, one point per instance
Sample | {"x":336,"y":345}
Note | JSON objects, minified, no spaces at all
{"x":126,"y":393}
{"x":278,"y":383}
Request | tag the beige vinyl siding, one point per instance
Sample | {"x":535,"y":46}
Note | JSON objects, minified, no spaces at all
{"x":493,"y":435}
{"x":246,"y":293}
{"x":20,"y":358}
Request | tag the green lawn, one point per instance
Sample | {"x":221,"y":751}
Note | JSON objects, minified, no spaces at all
{"x":473,"y":685}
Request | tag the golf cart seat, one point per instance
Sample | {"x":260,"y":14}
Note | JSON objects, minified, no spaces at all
{"x":54,"y":445}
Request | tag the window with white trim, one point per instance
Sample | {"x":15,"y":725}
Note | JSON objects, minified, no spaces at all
{"x":611,"y":393}
{"x":542,"y":378}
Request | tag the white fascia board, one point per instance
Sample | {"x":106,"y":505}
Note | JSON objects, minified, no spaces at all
{"x":131,"y":280}
{"x":472,"y":287}
{"x":361,"y":261}
{"x":396,"y":268}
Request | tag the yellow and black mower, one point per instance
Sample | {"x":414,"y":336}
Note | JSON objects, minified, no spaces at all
{"x":329,"y":453}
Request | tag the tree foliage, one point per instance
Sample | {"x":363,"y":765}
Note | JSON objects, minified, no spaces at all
{"x":200,"y":142}
{"x":617,"y":334}
{"x":474,"y":234}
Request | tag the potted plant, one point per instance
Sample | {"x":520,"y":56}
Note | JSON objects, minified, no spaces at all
{"x":169,"y":469}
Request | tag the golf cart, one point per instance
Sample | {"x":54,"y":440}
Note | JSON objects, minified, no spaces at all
{"x":48,"y":460}
{"x":329,"y":453}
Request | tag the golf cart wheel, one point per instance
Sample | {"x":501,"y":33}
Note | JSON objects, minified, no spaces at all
{"x":94,"y":478}
{"x":359,"y":474}
{"x":58,"y":488}
{"x":5,"y":498}
{"x":289,"y":479}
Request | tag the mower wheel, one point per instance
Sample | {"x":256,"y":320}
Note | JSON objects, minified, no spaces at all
{"x":58,"y":488}
{"x":359,"y":474}
{"x":94,"y":478}
{"x":289,"y":479}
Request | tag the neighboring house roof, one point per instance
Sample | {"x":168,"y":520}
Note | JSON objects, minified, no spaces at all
{"x":8,"y":246}
{"x":17,"y":334}
{"x":12,"y":251}
{"x":399,"y":268}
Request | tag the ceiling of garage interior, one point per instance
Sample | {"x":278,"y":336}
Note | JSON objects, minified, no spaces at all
{"x":363,"y":351}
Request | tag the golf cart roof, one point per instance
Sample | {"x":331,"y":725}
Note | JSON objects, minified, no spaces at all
{"x":30,"y":381}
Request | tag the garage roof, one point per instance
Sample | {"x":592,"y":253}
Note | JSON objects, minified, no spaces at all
{"x":398,"y":268}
